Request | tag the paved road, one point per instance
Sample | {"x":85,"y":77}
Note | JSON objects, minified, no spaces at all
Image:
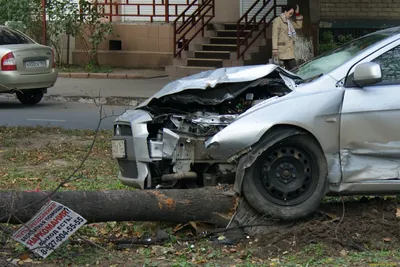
{"x":107,"y":87}
{"x":74,"y":115}
{"x":69,"y":115}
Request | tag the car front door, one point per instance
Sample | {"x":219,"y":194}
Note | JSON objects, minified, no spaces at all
{"x":370,"y":123}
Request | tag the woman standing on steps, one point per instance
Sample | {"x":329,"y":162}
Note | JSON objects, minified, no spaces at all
{"x":283,"y":36}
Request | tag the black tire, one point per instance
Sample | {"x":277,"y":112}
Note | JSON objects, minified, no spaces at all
{"x":31,"y":97}
{"x":288,"y":180}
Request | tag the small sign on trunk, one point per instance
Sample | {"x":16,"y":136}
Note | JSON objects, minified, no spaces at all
{"x":49,"y":228}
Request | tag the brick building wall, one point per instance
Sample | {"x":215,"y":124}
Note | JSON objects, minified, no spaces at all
{"x":382,"y":9}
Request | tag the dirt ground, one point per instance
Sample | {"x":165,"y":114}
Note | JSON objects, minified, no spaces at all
{"x":364,"y":225}
{"x":356,"y":232}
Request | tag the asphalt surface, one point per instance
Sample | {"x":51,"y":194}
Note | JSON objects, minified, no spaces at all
{"x":141,"y":88}
{"x":69,"y":115}
{"x":76,"y":115}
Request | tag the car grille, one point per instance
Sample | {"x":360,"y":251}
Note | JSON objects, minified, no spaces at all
{"x":125,"y":130}
{"x":128,"y":169}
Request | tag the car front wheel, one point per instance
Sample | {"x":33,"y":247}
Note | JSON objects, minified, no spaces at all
{"x":31,"y":97}
{"x":288,"y":180}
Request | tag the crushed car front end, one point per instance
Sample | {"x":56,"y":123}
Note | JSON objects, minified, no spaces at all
{"x":129,"y":147}
{"x":161,"y":143}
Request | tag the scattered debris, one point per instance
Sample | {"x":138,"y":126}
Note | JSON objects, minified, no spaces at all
{"x":134,"y":103}
{"x":162,"y":236}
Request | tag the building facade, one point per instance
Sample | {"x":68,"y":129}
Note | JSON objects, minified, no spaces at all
{"x":145,"y":36}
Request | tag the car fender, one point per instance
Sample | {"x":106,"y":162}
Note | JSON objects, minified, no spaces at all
{"x":309,"y":111}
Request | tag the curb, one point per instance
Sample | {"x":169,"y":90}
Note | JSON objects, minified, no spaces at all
{"x":108,"y":100}
{"x":105,"y":75}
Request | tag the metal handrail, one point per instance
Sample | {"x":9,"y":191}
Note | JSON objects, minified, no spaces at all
{"x":201,"y":16}
{"x":254,"y":25}
{"x":114,"y":6}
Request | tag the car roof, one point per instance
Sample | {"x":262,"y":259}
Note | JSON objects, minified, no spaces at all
{"x":389,"y":31}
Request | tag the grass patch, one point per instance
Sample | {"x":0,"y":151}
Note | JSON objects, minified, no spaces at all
{"x":88,"y":68}
{"x":321,"y":255}
{"x":43,"y":157}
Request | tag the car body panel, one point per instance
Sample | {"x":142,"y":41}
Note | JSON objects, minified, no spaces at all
{"x":374,"y":154}
{"x":209,"y":79}
{"x":321,"y":119}
{"x":34,"y":63}
{"x":374,"y":187}
{"x":25,"y":53}
{"x":15,"y":81}
{"x":374,"y":112}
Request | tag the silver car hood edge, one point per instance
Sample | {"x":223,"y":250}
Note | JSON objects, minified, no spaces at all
{"x":211,"y":78}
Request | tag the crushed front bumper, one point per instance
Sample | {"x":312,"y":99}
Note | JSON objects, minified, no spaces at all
{"x":140,"y":153}
{"x":129,"y":148}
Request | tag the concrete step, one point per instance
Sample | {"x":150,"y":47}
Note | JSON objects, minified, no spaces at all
{"x":234,"y":26}
{"x":233,"y":40}
{"x":197,"y":40}
{"x":205,"y":62}
{"x":224,"y":40}
{"x":179,"y":61}
{"x":231,"y":33}
{"x":219,"y":47}
{"x":213,"y":54}
{"x":229,"y":48}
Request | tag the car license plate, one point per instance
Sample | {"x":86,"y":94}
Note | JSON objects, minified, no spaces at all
{"x":35,"y":64}
{"x":118,"y":148}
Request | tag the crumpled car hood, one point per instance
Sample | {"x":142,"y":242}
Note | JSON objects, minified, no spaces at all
{"x":212,"y":78}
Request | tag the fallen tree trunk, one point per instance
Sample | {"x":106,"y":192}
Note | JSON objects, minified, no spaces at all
{"x":210,"y":205}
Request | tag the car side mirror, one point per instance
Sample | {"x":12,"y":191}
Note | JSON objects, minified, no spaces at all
{"x":367,"y":73}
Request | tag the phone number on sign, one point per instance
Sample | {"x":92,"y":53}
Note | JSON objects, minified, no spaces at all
{"x":61,"y":236}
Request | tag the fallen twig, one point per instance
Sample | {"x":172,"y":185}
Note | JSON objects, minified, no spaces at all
{"x":91,"y":242}
{"x":341,"y":220}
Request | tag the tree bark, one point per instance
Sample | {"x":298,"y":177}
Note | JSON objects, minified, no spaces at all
{"x":210,"y":205}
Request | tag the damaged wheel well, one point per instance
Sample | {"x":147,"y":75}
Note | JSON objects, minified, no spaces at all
{"x":275,"y":134}
{"x":283,"y":127}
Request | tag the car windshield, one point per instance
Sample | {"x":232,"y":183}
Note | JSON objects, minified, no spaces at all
{"x":336,"y":57}
{"x":12,"y":37}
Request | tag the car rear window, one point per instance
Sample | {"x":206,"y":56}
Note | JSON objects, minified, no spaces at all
{"x":11,"y":37}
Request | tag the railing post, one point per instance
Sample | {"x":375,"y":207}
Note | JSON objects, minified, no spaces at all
{"x":111,"y":10}
{"x":202,"y":24}
{"x":189,"y":23}
{"x":238,"y":40}
{"x":167,"y":11}
{"x":174,"y":26}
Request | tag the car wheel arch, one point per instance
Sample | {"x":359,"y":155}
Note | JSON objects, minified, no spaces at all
{"x":273,"y":135}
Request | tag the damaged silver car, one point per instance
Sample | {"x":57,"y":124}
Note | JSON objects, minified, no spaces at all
{"x":284,"y":139}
